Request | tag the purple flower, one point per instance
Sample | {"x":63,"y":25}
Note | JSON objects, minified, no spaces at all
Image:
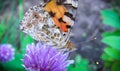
{"x":6,"y":52}
{"x":45,"y":58}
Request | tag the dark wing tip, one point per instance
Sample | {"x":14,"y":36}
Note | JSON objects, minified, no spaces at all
{"x":68,"y":26}
{"x":61,"y":20}
{"x":52,"y":14}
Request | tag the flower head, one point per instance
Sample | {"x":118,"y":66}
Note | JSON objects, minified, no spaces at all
{"x":45,"y":58}
{"x":6,"y":52}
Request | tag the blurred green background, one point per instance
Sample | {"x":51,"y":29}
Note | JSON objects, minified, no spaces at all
{"x":11,"y":13}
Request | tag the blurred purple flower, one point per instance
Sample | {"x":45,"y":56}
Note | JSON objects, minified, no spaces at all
{"x":6,"y":52}
{"x":45,"y":58}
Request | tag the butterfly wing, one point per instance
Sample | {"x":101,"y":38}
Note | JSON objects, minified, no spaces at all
{"x":38,"y":24}
{"x":60,"y":13}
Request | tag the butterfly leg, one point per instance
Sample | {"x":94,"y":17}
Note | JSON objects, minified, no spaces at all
{"x":69,"y":45}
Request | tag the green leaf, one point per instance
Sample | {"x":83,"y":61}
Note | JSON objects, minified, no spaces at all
{"x":70,"y":68}
{"x":24,"y":41}
{"x":116,"y":66}
{"x":111,"y":18}
{"x":21,"y":9}
{"x":80,"y":64}
{"x":114,"y":53}
{"x":82,"y":68}
{"x":78,"y":60}
{"x":3,"y":29}
{"x":14,"y":65}
{"x":113,"y":41}
{"x":106,"y":57}
{"x":115,"y":33}
{"x":108,"y":64}
{"x":27,"y":40}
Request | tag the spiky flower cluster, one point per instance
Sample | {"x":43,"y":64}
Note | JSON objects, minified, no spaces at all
{"x":45,"y":58}
{"x":6,"y":52}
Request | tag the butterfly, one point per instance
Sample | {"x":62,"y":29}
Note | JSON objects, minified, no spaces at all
{"x":49,"y":22}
